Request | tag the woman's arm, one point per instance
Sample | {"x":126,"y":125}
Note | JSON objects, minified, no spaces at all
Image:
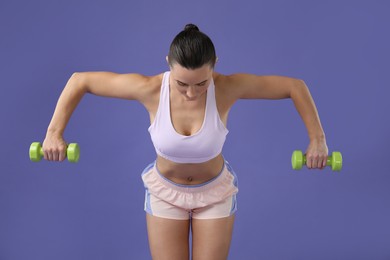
{"x":246,"y":86}
{"x":317,"y":151}
{"x":108,"y":84}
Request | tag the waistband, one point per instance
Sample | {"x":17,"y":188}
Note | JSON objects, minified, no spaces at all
{"x":223,"y":176}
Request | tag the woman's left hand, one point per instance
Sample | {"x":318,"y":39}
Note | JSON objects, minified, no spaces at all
{"x":317,"y":154}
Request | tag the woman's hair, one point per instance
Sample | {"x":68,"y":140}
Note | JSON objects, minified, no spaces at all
{"x":192,"y":49}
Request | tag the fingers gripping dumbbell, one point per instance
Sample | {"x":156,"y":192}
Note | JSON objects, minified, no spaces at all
{"x":72,"y":152}
{"x":298,"y":159}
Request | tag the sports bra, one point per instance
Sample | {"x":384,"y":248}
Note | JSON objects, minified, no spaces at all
{"x":200,"y":147}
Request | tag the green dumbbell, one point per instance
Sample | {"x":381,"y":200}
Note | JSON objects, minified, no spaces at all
{"x":298,"y":159}
{"x":72,"y":152}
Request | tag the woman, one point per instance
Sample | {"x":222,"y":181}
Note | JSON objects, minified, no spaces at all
{"x":190,"y":182}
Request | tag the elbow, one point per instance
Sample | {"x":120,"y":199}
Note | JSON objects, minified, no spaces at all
{"x":300,"y":83}
{"x":78,"y":80}
{"x":298,"y":87}
{"x":75,"y":75}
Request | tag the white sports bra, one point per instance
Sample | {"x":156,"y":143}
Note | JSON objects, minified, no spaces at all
{"x":200,"y":147}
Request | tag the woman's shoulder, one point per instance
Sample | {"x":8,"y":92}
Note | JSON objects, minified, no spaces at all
{"x":227,"y":81}
{"x":155,"y":81}
{"x":224,"y":81}
{"x":151,"y":84}
{"x":224,"y":90}
{"x":151,"y":89}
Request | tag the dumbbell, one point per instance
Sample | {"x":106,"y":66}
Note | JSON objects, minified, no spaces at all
{"x":72,"y":152}
{"x":298,"y":159}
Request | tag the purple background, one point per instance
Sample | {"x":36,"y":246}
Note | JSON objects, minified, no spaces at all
{"x":94,"y":209}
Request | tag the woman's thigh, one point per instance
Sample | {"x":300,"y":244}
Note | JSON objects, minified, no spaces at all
{"x":168,"y":238}
{"x":211,"y":238}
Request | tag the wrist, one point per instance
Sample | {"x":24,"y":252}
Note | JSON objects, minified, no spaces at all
{"x":317,"y":138}
{"x":51,"y":131}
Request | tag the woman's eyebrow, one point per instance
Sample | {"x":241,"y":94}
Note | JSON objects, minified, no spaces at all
{"x":195,"y":84}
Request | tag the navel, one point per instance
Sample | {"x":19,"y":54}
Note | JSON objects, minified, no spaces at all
{"x":189,"y":179}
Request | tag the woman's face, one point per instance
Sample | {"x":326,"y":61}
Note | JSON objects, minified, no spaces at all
{"x":191,"y":84}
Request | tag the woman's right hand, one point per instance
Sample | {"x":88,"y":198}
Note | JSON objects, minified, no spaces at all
{"x":54,"y":148}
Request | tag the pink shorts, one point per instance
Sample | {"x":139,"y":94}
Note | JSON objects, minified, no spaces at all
{"x":213,"y":199}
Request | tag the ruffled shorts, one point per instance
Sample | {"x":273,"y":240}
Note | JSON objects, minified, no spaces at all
{"x":213,"y":199}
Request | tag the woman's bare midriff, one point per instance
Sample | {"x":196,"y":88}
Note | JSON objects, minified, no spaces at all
{"x":190,"y":173}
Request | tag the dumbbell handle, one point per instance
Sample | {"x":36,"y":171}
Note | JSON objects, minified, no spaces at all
{"x":42,"y":153}
{"x":328,"y":160}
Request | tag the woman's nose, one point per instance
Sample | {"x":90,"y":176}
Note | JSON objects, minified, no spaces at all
{"x":191,"y":92}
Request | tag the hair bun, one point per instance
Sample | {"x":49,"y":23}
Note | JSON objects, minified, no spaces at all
{"x":191,"y":27}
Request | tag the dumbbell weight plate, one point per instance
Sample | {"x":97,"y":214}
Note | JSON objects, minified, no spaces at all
{"x":73,"y":152}
{"x":35,"y":152}
{"x":337,"y":161}
{"x":297,"y":160}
